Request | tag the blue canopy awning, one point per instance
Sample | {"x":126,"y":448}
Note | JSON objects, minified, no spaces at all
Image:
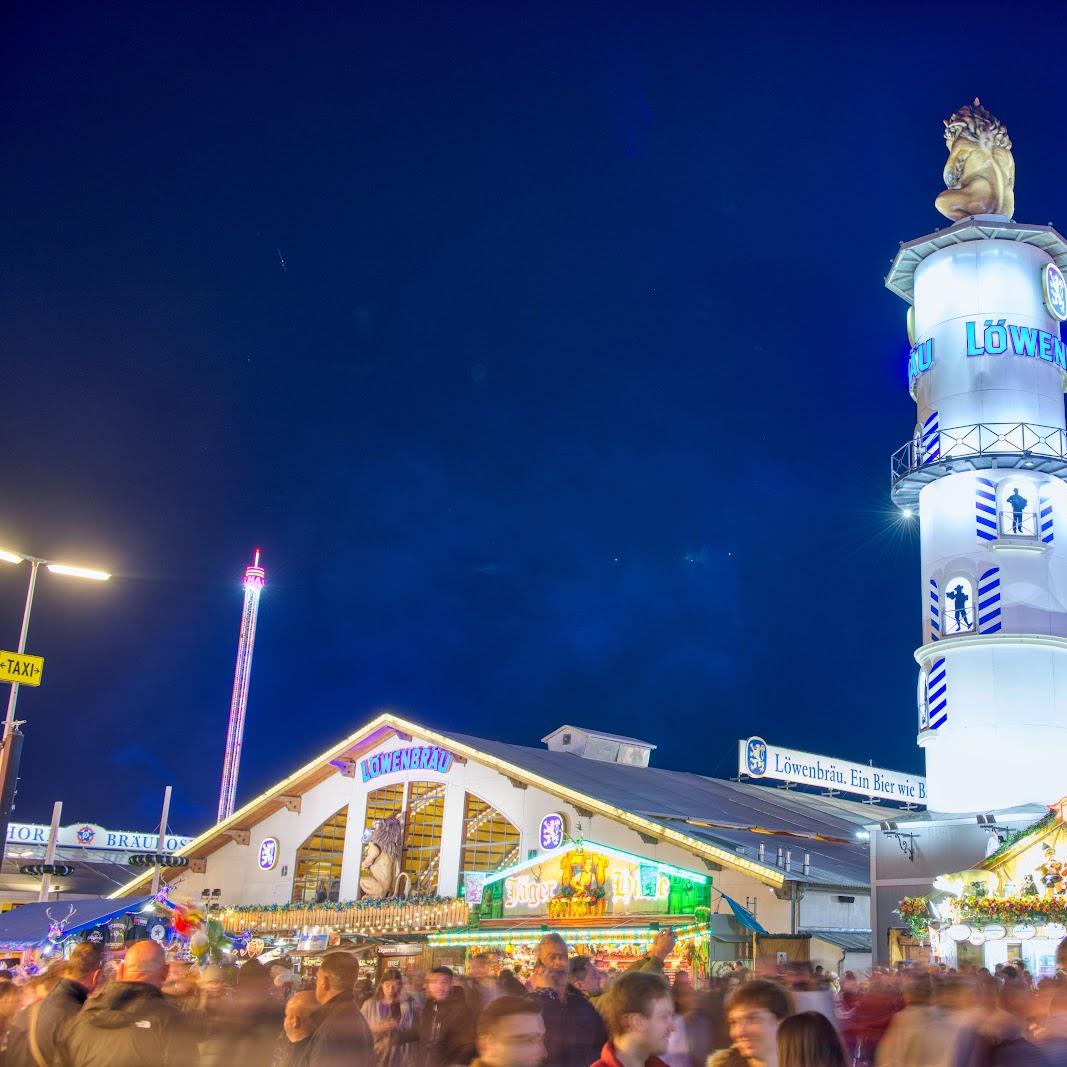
{"x":744,"y":916}
{"x":27,"y":926}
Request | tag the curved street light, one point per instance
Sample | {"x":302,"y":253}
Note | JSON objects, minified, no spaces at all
{"x":11,"y":747}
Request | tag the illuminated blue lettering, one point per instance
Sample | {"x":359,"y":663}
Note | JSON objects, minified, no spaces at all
{"x":920,"y":359}
{"x":1023,"y":340}
{"x":926,"y":354}
{"x":996,"y":337}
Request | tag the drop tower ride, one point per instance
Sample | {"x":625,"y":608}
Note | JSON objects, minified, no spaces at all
{"x":255,"y":576}
{"x":985,"y":469}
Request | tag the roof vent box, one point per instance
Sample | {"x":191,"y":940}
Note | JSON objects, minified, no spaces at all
{"x":600,"y":746}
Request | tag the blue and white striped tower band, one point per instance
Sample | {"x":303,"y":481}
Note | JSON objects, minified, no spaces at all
{"x":931,"y":439}
{"x":937,"y":694}
{"x":989,"y":601}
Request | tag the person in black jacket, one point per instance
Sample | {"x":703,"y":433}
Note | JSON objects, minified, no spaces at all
{"x":446,"y":1023}
{"x":36,"y":1025}
{"x":341,"y":1036}
{"x":131,"y":1023}
{"x":574,"y":1031}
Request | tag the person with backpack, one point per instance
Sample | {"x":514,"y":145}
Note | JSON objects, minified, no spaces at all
{"x":131,"y":1023}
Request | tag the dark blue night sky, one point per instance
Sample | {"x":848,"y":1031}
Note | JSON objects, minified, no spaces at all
{"x":543,"y":348}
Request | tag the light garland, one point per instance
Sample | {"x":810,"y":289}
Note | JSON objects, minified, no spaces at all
{"x":408,"y":914}
{"x":632,"y":935}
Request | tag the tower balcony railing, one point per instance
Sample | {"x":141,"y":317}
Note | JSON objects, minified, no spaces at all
{"x":1021,"y":524}
{"x":984,"y":444}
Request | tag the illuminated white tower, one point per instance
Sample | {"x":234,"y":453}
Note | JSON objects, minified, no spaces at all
{"x":985,"y":469}
{"x":254,"y":579}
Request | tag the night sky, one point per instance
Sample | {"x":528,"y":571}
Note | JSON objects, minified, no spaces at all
{"x":543,"y":348}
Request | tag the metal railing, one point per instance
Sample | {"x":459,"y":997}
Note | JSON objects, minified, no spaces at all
{"x":1021,"y":524}
{"x":978,"y":440}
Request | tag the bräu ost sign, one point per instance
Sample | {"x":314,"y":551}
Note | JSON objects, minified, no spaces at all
{"x":90,"y":835}
{"x":411,"y":758}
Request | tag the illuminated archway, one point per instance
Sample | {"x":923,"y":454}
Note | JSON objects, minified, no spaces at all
{"x":317,"y":871}
{"x":421,"y":808}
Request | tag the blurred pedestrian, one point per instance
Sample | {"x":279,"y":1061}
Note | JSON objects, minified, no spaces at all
{"x":390,"y":1014}
{"x":575,"y":1033}
{"x":482,"y":986}
{"x":297,"y":1027}
{"x":131,"y":1023}
{"x":809,"y":1039}
{"x":32,"y":1038}
{"x":922,"y":1035}
{"x":255,"y":1016}
{"x":511,"y":1033}
{"x":510,"y":986}
{"x":754,"y":1012}
{"x":341,"y":1037}
{"x":679,"y":1051}
{"x":10,"y":1006}
{"x":445,"y":1025}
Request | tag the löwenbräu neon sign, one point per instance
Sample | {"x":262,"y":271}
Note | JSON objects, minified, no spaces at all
{"x":412,"y":758}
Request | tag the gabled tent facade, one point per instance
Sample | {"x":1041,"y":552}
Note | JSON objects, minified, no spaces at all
{"x":470,"y":806}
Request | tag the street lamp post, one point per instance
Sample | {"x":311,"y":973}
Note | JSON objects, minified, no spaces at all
{"x":11,"y":746}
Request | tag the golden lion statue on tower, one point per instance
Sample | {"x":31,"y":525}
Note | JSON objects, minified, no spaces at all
{"x":980,"y":172}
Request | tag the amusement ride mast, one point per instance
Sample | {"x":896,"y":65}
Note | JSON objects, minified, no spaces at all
{"x":254,"y":579}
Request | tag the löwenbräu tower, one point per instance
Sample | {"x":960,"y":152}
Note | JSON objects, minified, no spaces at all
{"x":986,"y":468}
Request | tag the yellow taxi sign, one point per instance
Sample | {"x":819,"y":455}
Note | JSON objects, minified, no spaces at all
{"x":26,"y":670}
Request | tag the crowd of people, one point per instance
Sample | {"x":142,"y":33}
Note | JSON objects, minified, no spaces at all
{"x":147,"y":1012}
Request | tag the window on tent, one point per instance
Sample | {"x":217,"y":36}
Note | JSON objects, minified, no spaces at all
{"x":490,"y":840}
{"x":317,"y":872}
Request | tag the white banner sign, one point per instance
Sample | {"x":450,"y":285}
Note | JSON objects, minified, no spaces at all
{"x":757,"y":759}
{"x":89,"y":835}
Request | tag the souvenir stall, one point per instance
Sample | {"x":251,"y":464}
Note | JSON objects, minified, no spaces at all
{"x":33,"y":935}
{"x":1010,"y":908}
{"x":606,"y":903}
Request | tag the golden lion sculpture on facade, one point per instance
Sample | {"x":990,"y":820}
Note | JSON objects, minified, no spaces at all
{"x":380,"y":862}
{"x":980,"y":172}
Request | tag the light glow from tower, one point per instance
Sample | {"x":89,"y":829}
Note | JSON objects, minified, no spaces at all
{"x":255,"y":576}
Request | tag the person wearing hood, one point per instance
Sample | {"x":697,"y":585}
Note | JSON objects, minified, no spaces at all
{"x":32,"y":1038}
{"x":131,"y":1023}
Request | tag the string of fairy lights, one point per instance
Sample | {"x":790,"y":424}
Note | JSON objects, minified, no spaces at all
{"x":633,"y":935}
